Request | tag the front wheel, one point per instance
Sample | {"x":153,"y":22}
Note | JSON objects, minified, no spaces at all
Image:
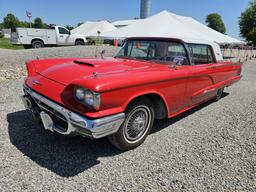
{"x":79,"y":42}
{"x":136,"y":127}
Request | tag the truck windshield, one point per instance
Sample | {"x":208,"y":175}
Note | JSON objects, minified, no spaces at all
{"x":151,"y":50}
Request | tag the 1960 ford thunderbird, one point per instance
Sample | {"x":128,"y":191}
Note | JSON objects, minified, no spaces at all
{"x":120,"y":97}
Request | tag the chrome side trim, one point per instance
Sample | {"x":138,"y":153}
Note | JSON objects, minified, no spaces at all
{"x":77,"y":123}
{"x":208,"y":91}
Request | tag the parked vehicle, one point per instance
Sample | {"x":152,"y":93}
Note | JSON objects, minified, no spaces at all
{"x":120,"y":97}
{"x":1,"y":34}
{"x":39,"y":38}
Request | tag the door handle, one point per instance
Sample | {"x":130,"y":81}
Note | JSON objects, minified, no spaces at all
{"x":61,"y":35}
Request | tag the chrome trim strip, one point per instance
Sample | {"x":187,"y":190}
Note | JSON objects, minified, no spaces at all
{"x":209,"y":91}
{"x":96,"y":128}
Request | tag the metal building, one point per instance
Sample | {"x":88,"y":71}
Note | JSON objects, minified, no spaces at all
{"x":145,"y":9}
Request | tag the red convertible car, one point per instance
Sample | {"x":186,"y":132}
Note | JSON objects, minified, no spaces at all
{"x":120,"y":97}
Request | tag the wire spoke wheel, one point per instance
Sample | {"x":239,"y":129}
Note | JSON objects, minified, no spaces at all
{"x":137,"y":124}
{"x":139,"y":119}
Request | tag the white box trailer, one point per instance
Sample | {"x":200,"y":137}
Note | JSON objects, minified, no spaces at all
{"x":38,"y":38}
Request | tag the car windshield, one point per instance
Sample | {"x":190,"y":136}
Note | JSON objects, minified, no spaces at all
{"x":151,"y":50}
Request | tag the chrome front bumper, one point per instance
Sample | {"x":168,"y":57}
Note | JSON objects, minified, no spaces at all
{"x":59,"y":119}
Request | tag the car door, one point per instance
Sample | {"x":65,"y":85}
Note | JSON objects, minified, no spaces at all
{"x":63,"y":36}
{"x":179,"y":69}
{"x":202,"y":74}
{"x":174,"y":58}
{"x":176,"y":92}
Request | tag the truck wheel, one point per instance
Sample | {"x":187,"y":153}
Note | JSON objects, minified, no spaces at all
{"x":37,"y":44}
{"x":219,"y":94}
{"x":136,"y":127}
{"x":79,"y":42}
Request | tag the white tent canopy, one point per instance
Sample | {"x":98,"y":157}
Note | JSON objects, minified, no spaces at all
{"x":91,"y":28}
{"x":169,"y":25}
{"x":124,"y":23}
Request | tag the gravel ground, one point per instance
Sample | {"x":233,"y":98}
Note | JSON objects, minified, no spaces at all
{"x":12,"y":63}
{"x":209,"y":148}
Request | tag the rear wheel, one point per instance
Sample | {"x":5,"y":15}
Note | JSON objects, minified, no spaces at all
{"x":136,"y":127}
{"x":37,"y":44}
{"x":219,"y":94}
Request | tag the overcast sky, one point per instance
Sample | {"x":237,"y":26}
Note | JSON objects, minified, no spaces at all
{"x":63,"y":12}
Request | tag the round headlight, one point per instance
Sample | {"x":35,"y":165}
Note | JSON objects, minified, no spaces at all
{"x":89,"y":98}
{"x":80,"y":94}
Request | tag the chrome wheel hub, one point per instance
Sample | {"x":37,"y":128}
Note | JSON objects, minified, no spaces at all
{"x":137,"y":124}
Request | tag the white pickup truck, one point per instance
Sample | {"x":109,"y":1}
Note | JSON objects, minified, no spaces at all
{"x":39,"y":38}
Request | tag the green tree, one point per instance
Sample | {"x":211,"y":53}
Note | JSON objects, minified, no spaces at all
{"x":1,"y":26}
{"x":247,"y":23}
{"x":69,"y":27}
{"x":38,"y":23}
{"x":46,"y":26}
{"x":78,"y":24}
{"x":10,"y":21}
{"x":215,"y":22}
{"x":24,"y":24}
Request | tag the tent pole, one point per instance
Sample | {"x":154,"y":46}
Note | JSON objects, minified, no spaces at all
{"x":230,"y":47}
{"x":223,"y":51}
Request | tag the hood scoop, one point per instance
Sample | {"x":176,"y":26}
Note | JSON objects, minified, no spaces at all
{"x":84,"y":63}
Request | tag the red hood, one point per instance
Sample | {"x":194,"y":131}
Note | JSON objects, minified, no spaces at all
{"x":102,"y":75}
{"x":68,"y":71}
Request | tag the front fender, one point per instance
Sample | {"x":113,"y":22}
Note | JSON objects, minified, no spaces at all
{"x":145,"y":93}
